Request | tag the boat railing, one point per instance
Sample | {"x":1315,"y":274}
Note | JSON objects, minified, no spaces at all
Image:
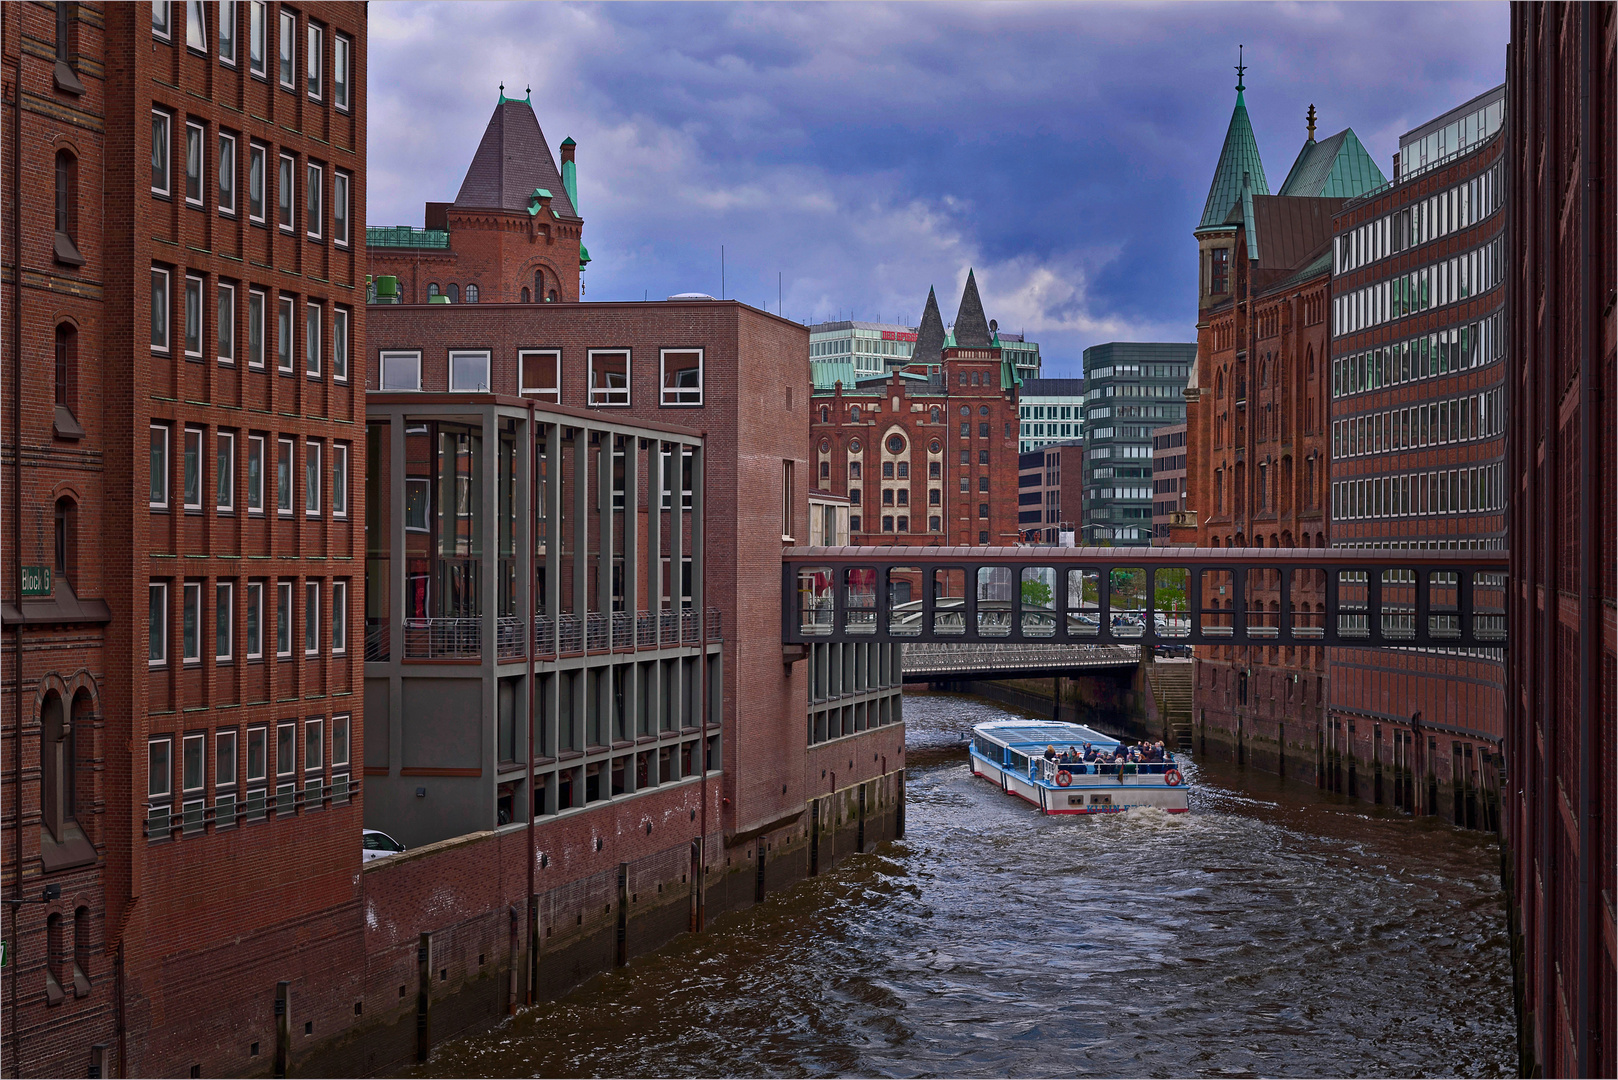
{"x":1147,"y":772}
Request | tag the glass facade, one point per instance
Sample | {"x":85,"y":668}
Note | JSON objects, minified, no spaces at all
{"x":1457,"y":132}
{"x":1050,"y":411}
{"x":1131,"y":390}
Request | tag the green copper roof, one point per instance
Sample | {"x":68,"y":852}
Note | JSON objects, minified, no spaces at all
{"x":1336,"y":168}
{"x":584,"y":256}
{"x":1239,"y":156}
{"x":825,"y":374}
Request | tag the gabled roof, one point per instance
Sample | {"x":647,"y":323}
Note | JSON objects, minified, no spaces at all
{"x":1238,"y":157}
{"x":930,"y":335}
{"x":1338,"y":167}
{"x":971,"y":325}
{"x":512,"y":160}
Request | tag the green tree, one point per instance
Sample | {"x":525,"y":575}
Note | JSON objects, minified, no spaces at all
{"x":1036,"y":594}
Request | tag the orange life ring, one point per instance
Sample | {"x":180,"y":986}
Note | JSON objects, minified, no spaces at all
{"x":1063,"y":778}
{"x":1172,"y":778}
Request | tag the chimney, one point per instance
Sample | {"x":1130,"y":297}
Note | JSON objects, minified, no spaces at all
{"x":568,"y":147}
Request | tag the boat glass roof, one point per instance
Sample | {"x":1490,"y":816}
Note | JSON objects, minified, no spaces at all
{"x":1042,"y":733}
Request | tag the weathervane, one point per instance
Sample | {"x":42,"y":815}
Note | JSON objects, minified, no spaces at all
{"x":1241,"y":69}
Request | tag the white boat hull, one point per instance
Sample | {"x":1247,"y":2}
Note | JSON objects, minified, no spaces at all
{"x":1088,"y":794}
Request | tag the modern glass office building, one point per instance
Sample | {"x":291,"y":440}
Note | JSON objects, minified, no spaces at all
{"x":1051,"y":411}
{"x":1131,"y":389}
{"x":848,"y":351}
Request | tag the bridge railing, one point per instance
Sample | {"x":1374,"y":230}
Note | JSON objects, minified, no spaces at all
{"x":949,"y":657}
{"x":1197,"y":596}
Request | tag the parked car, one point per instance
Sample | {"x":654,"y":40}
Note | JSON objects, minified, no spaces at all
{"x":379,"y":845}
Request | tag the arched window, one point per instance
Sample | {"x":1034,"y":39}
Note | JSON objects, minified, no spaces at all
{"x":67,"y":184}
{"x":67,"y":540}
{"x":56,"y":766}
{"x":471,"y":294}
{"x":67,"y":362}
{"x":453,"y":291}
{"x":1221,"y":383}
{"x":935,"y":414}
{"x":825,"y":413}
{"x":551,"y":297}
{"x":81,"y":949}
{"x":539,"y":281}
{"x":55,"y":950}
{"x":527,"y":298}
{"x":432,"y":288}
{"x":854,"y":414}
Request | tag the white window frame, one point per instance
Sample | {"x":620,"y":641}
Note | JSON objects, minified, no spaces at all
{"x":158,"y":591}
{"x":284,"y":497}
{"x":311,"y":478}
{"x":474,"y":354}
{"x":286,"y":309}
{"x":283,"y":618}
{"x":255,"y":449}
{"x":606,"y":397}
{"x":257,"y":157}
{"x":314,"y":727}
{"x":314,"y":193}
{"x":185,"y":448}
{"x":196,"y":26}
{"x":311,"y":330}
{"x":221,"y":740}
{"x":194,"y":285}
{"x":166,"y":119}
{"x":224,"y":614}
{"x":340,"y":321}
{"x":292,"y":758}
{"x":314,"y":61}
{"x":311,"y":618}
{"x":551,"y":393}
{"x":256,"y":299}
{"x":165,"y":794}
{"x":225,"y":172}
{"x":339,"y":480}
{"x":195,"y":135}
{"x":225,"y":324}
{"x":166,"y":324}
{"x":286,"y":183}
{"x":262,"y":731}
{"x":163,"y":503}
{"x":339,"y":617}
{"x":286,"y":51}
{"x":225,"y":474}
{"x":388,"y":358}
{"x":341,"y":70}
{"x":227,"y":18}
{"x":425,"y":486}
{"x":191,"y":604}
{"x":258,"y":38}
{"x":253,"y":646}
{"x":341,"y":226}
{"x":346,"y":720}
{"x":162,"y":20}
{"x":674,"y":395}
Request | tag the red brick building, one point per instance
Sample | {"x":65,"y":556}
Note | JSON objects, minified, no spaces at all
{"x":1050,"y":493}
{"x":1558,"y":832}
{"x":1169,"y":492}
{"x":928,"y":453}
{"x":1418,"y":440}
{"x":512,"y":235}
{"x":184,"y":450}
{"x":1256,"y":422}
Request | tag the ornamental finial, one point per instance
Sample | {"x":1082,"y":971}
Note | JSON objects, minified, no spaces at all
{"x":1241,"y":70}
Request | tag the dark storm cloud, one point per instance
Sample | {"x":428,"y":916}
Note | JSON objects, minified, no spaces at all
{"x":869,"y":151}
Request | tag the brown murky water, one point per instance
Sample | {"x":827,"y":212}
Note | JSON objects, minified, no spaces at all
{"x":1272,"y":931}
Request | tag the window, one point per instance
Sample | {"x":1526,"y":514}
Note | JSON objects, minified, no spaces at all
{"x":255,"y":182}
{"x":196,"y":26}
{"x":339,"y":215}
{"x":190,"y":623}
{"x":311,"y":478}
{"x":160,"y":310}
{"x":418,"y":494}
{"x":160,"y":467}
{"x":538,"y":370}
{"x":933,"y":523}
{"x":227,"y":173}
{"x":224,"y":773}
{"x":682,"y":376}
{"x":314,"y":59}
{"x":342,"y":47}
{"x":224,"y":611}
{"x":193,"y":317}
{"x":401,"y":371}
{"x":854,"y":523}
{"x":255,"y":474}
{"x":983,"y":510}
{"x":469,"y":372}
{"x":288,"y":42}
{"x":225,"y":471}
{"x":227,"y":323}
{"x":983,"y":483}
{"x":311,"y":340}
{"x":258,"y":46}
{"x":160,"y":27}
{"x":283,"y":335}
{"x":193,"y":164}
{"x":786,"y":498}
{"x":339,"y":480}
{"x":311,"y":618}
{"x":157,"y":624}
{"x":67,"y":359}
{"x":887,"y":523}
{"x":283,"y":618}
{"x":66,"y":540}
{"x":283,"y":193}
{"x":67,"y":208}
{"x":609,"y":377}
{"x":160,"y":152}
{"x":283,"y":476}
{"x":314,"y":746}
{"x":159,"y":769}
{"x":314,"y":192}
{"x":227,"y":32}
{"x":339,"y":618}
{"x":339,"y":741}
{"x":192,"y":468}
{"x":471,"y":294}
{"x":255,"y":620}
{"x":286,"y":754}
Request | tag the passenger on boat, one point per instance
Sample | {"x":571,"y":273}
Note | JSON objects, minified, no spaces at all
{"x":1050,"y":753}
{"x":1090,"y":752}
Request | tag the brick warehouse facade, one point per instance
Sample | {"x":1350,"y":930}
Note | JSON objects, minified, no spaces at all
{"x":210,"y":178}
{"x":1558,"y":830}
{"x":1417,"y":448}
{"x":926,"y":454}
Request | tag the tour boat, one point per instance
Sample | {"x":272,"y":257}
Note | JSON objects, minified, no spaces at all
{"x":1011,"y":753}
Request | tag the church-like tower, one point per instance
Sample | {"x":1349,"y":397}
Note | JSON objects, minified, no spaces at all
{"x":1237,"y":178}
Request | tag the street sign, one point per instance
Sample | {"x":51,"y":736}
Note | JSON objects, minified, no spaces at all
{"x":36,"y":581}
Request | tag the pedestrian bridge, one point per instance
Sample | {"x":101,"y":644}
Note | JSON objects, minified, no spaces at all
{"x":1104,"y":596}
{"x":930,"y":661}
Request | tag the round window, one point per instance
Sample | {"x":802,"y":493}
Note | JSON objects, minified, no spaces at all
{"x":966,"y":411}
{"x":854,"y":446}
{"x":896,"y":444}
{"x":934,"y":448}
{"x":825,"y":446}
{"x":983,"y":410}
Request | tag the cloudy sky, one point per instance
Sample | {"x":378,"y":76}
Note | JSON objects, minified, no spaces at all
{"x":867,"y":151}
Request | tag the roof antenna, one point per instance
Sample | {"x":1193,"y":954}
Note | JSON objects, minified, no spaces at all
{"x":1311,"y":123}
{"x":1241,"y":70}
{"x":502,"y":91}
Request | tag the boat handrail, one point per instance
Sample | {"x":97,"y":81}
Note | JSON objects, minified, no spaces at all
{"x":1047,"y":769}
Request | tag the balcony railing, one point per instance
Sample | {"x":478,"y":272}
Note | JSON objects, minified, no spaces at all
{"x":443,"y":639}
{"x":376,"y":639}
{"x":554,"y":635}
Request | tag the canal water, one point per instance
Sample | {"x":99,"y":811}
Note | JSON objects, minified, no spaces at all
{"x":1271,"y":931}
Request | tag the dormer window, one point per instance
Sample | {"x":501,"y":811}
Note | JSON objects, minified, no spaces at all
{"x":1219,"y":271}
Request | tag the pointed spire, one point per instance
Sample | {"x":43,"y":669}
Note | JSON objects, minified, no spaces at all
{"x":1238,"y":156}
{"x":1241,"y":70}
{"x":1311,"y":119}
{"x":971,"y":327}
{"x":930,"y":335}
{"x":512,"y":159}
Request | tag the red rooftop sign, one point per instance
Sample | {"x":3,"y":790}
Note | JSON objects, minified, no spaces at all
{"x":897,"y":335}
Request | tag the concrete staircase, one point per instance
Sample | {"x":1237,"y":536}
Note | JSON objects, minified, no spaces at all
{"x":1171,"y":689}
